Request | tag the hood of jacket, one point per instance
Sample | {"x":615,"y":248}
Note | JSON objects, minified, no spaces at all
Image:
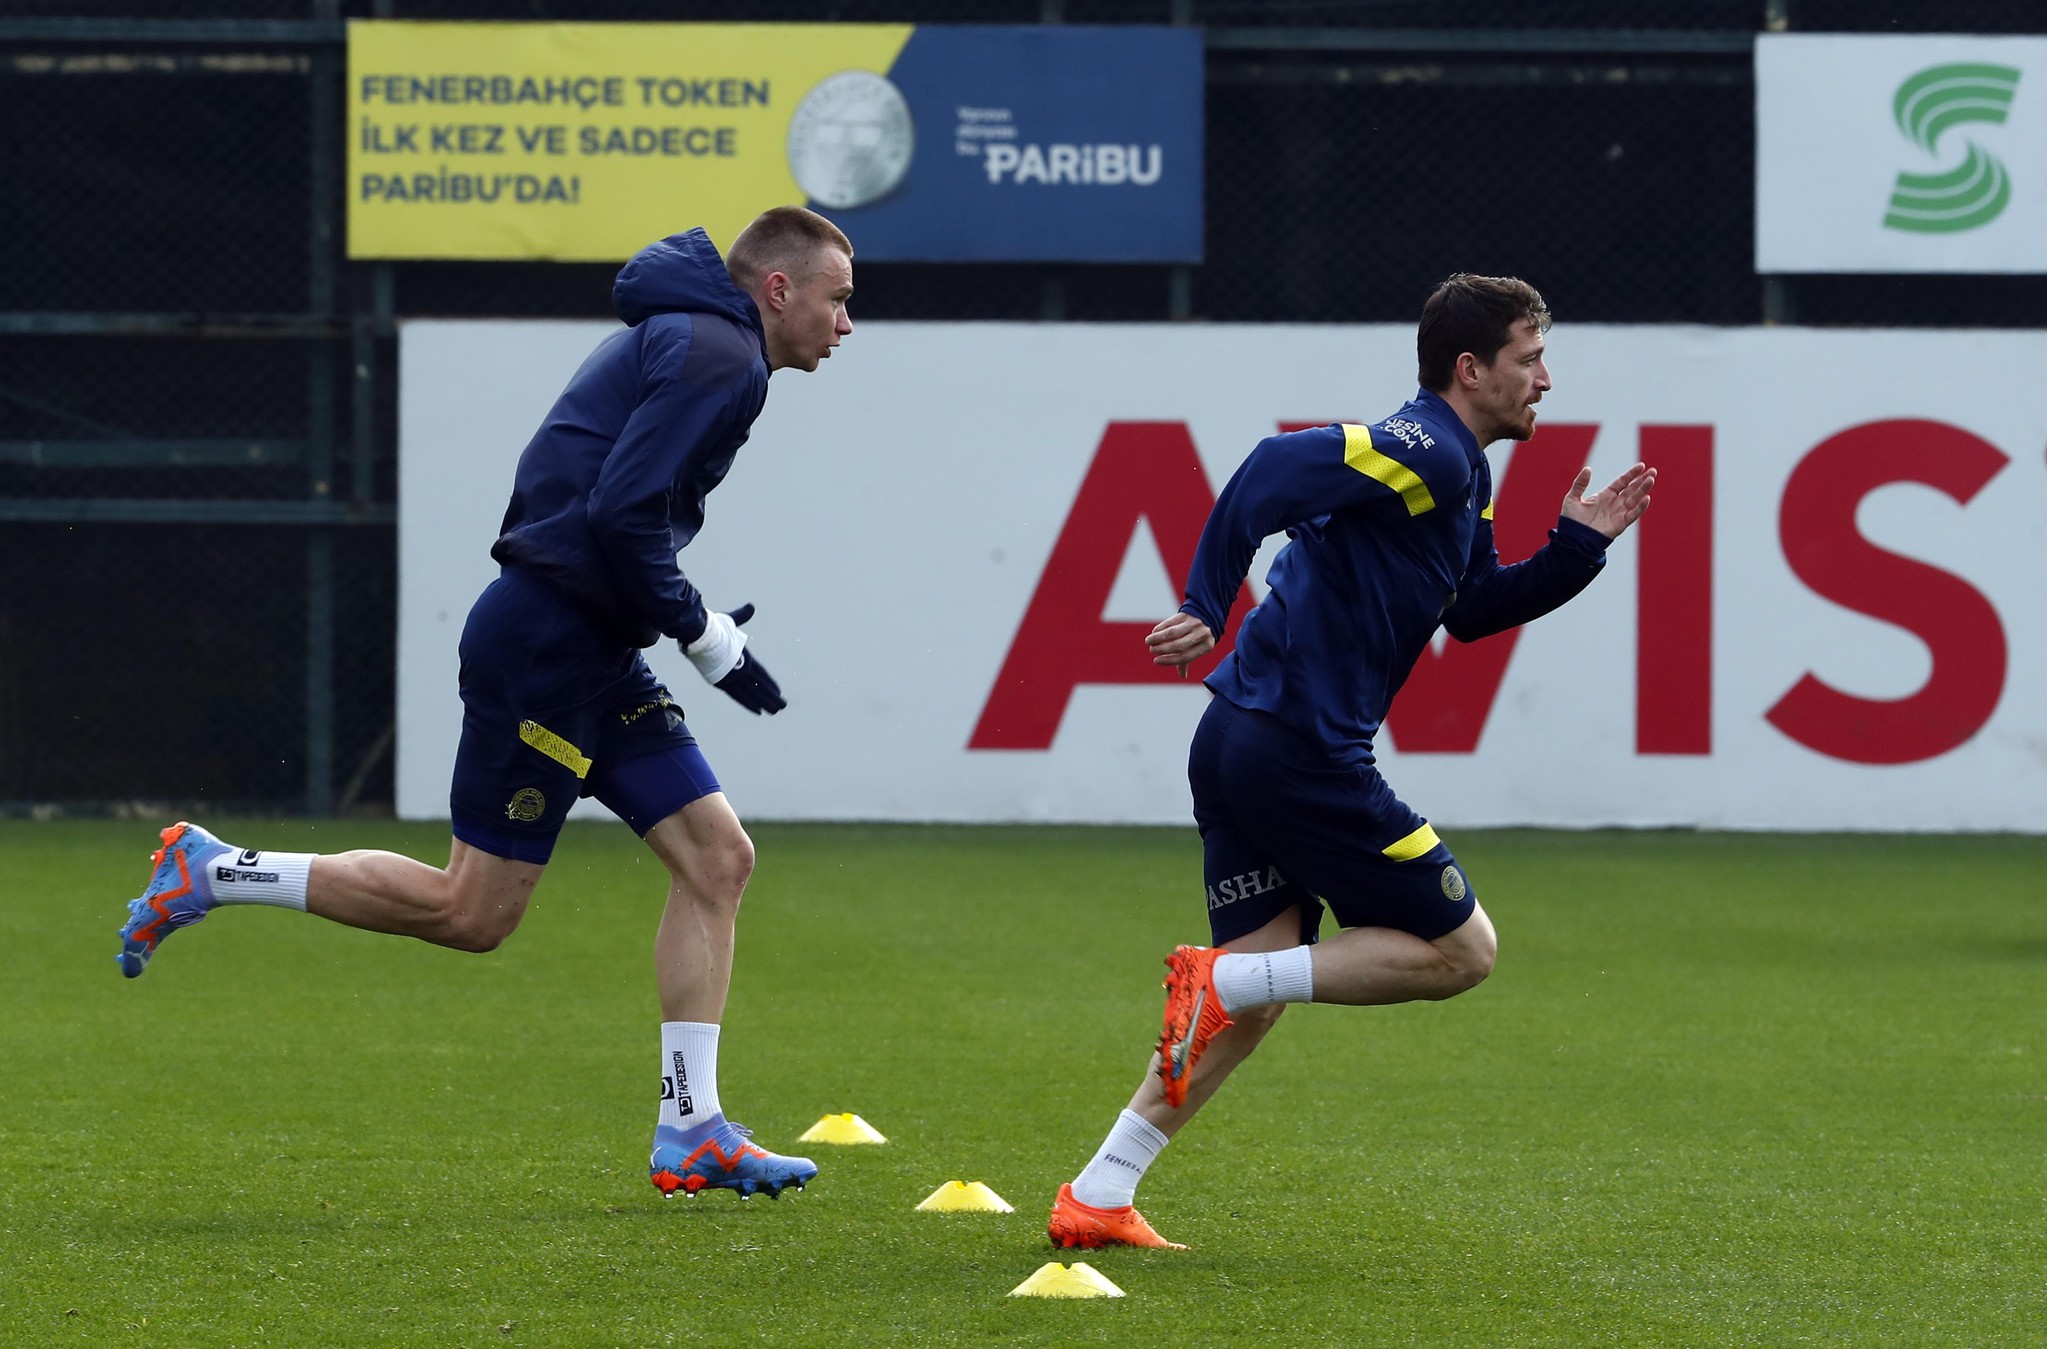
{"x":681,"y":274}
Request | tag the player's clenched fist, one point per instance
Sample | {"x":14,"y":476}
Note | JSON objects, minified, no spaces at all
{"x":1180,"y":640}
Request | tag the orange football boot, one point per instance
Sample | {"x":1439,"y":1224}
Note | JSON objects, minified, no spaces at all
{"x":1193,"y":1016}
{"x":1085,"y":1227}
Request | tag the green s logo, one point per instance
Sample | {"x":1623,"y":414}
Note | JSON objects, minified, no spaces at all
{"x":1925,"y":106}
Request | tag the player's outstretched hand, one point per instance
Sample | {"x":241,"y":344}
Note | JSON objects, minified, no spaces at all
{"x":753,"y":688}
{"x":720,"y":657}
{"x":1179,"y":641}
{"x":1612,"y":511}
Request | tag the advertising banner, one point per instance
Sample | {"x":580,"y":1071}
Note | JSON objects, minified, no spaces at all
{"x":957,"y":536}
{"x":585,"y":142}
{"x":1901,"y":154}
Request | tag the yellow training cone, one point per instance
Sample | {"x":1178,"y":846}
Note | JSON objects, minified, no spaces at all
{"x":848,"y":1128}
{"x":959,"y":1196}
{"x":1056,"y":1280}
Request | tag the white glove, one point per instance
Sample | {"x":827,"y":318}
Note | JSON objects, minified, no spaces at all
{"x":717,"y":651}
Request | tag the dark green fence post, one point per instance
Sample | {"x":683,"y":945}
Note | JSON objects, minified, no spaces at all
{"x":325,"y":147}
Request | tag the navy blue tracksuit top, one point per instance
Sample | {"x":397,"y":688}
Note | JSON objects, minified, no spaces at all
{"x":1392,"y":529}
{"x":612,"y":485}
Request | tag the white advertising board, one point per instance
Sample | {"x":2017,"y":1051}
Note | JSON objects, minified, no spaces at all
{"x":957,"y":534}
{"x":1905,"y":153}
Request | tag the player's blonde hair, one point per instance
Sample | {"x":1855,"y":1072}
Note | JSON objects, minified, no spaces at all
{"x":783,"y":239}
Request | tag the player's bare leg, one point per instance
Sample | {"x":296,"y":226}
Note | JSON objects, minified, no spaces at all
{"x":1230,"y":1046}
{"x":1355,"y":967}
{"x":1370,"y":966}
{"x":1148,"y":1122}
{"x":472,"y":905}
{"x":1358,"y":967}
{"x":709,"y":858}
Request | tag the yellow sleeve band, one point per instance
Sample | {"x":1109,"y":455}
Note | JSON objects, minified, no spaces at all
{"x":554,"y":747}
{"x":1360,"y":454}
{"x":1414,"y":845}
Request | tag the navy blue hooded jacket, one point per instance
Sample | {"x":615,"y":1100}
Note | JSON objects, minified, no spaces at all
{"x":612,"y":486}
{"x":1392,"y":537}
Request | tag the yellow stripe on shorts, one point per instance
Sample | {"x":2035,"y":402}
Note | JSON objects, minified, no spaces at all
{"x":1414,"y":845}
{"x":554,"y":747}
{"x":1487,"y":513}
{"x":1362,"y":455}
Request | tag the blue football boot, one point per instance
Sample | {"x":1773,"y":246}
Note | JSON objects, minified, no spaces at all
{"x":721,"y":1158}
{"x":178,"y":894}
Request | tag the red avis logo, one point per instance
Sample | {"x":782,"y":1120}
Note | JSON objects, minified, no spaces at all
{"x":1141,"y":471}
{"x":1151,"y":471}
{"x":1960,"y":627}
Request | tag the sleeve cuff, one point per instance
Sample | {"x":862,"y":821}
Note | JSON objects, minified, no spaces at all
{"x":1581,"y":539}
{"x":691,"y":628}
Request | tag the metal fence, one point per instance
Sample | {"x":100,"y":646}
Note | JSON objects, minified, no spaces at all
{"x":197,"y":402}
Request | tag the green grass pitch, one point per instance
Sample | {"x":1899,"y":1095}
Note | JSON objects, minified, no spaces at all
{"x":1721,"y":1090}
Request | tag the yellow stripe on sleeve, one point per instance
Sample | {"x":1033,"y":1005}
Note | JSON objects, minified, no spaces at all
{"x":554,"y":747}
{"x":1360,"y":454}
{"x":1487,"y":513}
{"x":1414,"y":845}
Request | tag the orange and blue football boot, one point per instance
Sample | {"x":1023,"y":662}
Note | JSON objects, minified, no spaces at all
{"x":1194,"y":1016}
{"x":1085,"y":1227}
{"x":177,"y":895}
{"x":717,"y":1156}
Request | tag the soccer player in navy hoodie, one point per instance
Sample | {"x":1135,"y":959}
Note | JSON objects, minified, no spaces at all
{"x":557,"y":701}
{"x":1391,"y":537}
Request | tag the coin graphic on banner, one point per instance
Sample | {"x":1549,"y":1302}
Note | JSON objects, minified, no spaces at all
{"x":850,"y":140}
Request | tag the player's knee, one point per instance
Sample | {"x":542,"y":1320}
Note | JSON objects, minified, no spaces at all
{"x":728,"y":865}
{"x":738,"y":861}
{"x":473,"y":936}
{"x":474,"y":940}
{"x":1467,"y":956}
{"x":1469,"y":970}
{"x":474,"y":930}
{"x":720,"y":869}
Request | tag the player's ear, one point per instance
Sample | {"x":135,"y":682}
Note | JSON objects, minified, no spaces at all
{"x":776,"y":288}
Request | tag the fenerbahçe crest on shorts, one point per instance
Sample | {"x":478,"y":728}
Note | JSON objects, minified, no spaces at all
{"x":527,"y":804}
{"x":1454,"y":888}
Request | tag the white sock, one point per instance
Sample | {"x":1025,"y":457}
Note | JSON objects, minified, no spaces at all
{"x":1110,"y":1180}
{"x":1262,"y":977}
{"x":252,"y":877}
{"x":689,"y":1073}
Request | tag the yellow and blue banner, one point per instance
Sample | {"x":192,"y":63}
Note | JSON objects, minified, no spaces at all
{"x":583,"y":142}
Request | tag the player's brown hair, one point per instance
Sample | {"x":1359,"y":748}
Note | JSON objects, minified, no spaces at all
{"x":1474,"y":314}
{"x":782,"y":239}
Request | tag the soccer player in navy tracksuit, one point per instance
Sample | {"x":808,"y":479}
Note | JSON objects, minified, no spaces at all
{"x":557,"y":701}
{"x":1391,"y":528}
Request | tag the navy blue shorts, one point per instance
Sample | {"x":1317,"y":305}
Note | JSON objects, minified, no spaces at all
{"x":1285,"y":826}
{"x":555,"y":707}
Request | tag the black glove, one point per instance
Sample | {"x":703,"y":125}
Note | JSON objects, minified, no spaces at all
{"x":720,"y":656}
{"x":752,"y":687}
